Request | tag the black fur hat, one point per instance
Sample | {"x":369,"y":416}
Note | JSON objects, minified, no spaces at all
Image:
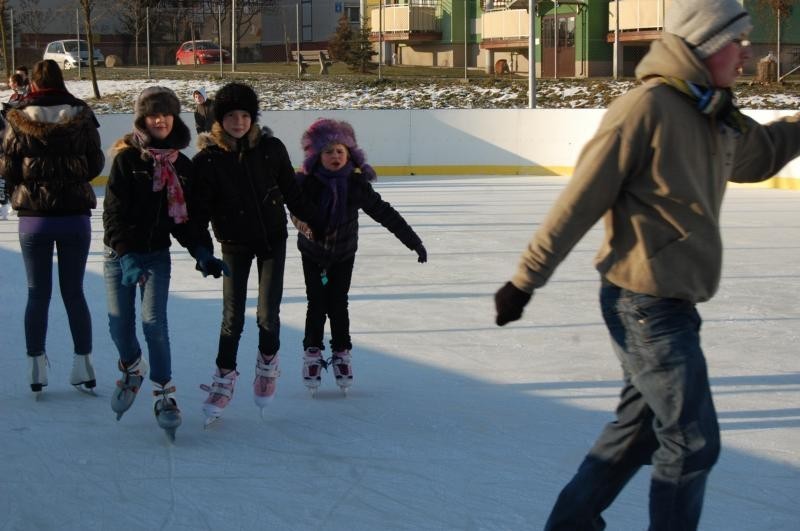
{"x":161,"y":100}
{"x":235,"y":97}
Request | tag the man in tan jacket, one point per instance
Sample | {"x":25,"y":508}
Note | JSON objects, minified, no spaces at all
{"x":656,"y":171}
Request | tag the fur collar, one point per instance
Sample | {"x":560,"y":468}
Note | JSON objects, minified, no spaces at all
{"x":25,"y":121}
{"x":222,"y":140}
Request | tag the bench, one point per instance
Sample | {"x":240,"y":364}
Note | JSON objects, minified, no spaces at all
{"x":304,"y":57}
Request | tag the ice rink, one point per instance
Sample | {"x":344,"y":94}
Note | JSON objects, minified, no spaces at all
{"x":452,"y":423}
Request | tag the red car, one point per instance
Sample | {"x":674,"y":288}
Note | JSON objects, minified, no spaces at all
{"x":200,"y":52}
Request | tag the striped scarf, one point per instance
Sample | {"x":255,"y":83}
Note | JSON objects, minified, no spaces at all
{"x":713,"y":102}
{"x":164,"y":175}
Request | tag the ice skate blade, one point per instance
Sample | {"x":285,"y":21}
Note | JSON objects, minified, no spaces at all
{"x":37,"y":396}
{"x":170,"y":433}
{"x":210,"y":421}
{"x":85,"y":389}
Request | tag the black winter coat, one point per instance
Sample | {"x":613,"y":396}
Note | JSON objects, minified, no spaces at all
{"x":242,"y":188}
{"x":50,"y":152}
{"x":341,"y":243}
{"x":135,"y":218}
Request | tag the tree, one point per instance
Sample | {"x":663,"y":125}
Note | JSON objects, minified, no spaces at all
{"x":361,"y":51}
{"x":32,"y":18}
{"x":341,"y":43}
{"x":88,"y":6}
{"x":4,"y":19}
{"x":132,"y":17}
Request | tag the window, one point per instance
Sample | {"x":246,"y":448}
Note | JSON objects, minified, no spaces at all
{"x":353,"y":14}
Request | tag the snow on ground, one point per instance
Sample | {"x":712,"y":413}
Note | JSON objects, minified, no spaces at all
{"x":453,"y":423}
{"x":286,"y":94}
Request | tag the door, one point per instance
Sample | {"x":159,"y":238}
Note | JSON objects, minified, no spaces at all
{"x":558,"y":58}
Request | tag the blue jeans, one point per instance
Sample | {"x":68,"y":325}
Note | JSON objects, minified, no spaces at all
{"x":37,"y":253}
{"x":268,"y":306}
{"x":665,"y":417}
{"x":122,"y":312}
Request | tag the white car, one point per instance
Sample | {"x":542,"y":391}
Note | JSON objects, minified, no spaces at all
{"x":65,"y":53}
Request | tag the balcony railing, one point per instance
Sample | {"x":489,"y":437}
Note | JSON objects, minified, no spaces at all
{"x":405,"y":19}
{"x":637,"y":14}
{"x":506,"y":24}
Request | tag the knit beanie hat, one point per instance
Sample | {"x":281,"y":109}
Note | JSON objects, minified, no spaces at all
{"x":235,"y":97}
{"x":324,"y":132}
{"x":707,"y":25}
{"x":161,"y":100}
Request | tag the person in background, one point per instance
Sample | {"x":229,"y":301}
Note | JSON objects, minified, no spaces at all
{"x":656,"y":170}
{"x":50,"y":153}
{"x":336,"y":177}
{"x":19,"y":90}
{"x":147,"y":200}
{"x":245,"y":178}
{"x":22,"y":70}
{"x":204,"y":111}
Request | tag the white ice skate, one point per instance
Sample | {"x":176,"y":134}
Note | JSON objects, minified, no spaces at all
{"x":342,"y":369}
{"x":166,"y":409}
{"x":124,"y":394}
{"x":37,"y":374}
{"x":82,"y":375}
{"x":313,"y":363}
{"x":265,"y":382}
{"x":220,"y":393}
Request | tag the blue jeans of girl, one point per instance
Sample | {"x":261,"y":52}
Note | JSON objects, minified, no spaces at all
{"x":153,"y":298}
{"x":37,"y":241}
{"x":665,"y":417}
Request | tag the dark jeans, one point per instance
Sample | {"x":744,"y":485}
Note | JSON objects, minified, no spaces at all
{"x":37,"y":253}
{"x":153,"y":296}
{"x":234,"y":299}
{"x":328,"y":300}
{"x":665,"y":417}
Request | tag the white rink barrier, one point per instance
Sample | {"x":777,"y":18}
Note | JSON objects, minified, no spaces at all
{"x":450,"y":141}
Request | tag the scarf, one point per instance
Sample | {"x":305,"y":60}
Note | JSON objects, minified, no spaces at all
{"x":716,"y":103}
{"x":164,"y":175}
{"x":334,"y":196}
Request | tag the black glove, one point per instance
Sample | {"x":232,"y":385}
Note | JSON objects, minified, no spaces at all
{"x":422,"y":254}
{"x":509,"y":302}
{"x":208,"y":264}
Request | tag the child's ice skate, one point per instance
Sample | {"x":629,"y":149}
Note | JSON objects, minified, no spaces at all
{"x":166,"y":409}
{"x":124,"y":394}
{"x":82,"y":375}
{"x":313,"y":363}
{"x":37,"y":374}
{"x":220,"y":393}
{"x":342,"y":369}
{"x":265,"y":382}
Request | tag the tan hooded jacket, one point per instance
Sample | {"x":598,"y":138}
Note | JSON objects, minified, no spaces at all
{"x":656,"y":170}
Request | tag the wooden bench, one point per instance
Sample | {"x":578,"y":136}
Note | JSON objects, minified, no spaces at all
{"x":310,"y":56}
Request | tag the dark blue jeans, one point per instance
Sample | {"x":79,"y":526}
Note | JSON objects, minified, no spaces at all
{"x":328,"y":300}
{"x":37,"y":253}
{"x":665,"y":417}
{"x":153,"y":296}
{"x":268,"y":306}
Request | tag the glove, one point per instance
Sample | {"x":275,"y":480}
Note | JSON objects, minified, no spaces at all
{"x":509,"y":302}
{"x":132,"y":270}
{"x":208,"y":264}
{"x":422,"y":254}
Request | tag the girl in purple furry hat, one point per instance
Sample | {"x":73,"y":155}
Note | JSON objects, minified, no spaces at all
{"x":336,"y":177}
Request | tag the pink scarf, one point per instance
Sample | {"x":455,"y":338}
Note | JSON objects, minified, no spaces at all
{"x":164,"y":174}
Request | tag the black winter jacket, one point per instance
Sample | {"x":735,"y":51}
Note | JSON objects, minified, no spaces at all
{"x":341,"y":243}
{"x":135,"y":218}
{"x":242,"y":188}
{"x":50,"y":152}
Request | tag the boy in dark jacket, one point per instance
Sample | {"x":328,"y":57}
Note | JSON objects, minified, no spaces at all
{"x":244,"y":179}
{"x":145,"y":204}
{"x":336,"y":177}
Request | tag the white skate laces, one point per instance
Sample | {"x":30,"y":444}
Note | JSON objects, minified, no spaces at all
{"x":265,"y":382}
{"x":220,"y":392}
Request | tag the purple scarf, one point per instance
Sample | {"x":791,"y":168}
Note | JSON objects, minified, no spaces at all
{"x":334,"y":196}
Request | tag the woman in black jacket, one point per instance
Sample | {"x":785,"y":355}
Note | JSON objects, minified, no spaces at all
{"x":51,"y":150}
{"x":245,"y":177}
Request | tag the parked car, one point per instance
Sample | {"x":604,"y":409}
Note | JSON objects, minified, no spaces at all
{"x":65,"y":53}
{"x":202,"y":52}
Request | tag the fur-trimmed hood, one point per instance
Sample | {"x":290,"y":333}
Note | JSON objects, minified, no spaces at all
{"x":44,"y":122}
{"x":219,"y":138}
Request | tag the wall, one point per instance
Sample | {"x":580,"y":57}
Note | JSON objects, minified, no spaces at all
{"x":453,"y":141}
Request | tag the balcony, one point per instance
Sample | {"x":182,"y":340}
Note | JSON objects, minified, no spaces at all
{"x":414,"y":22}
{"x":505,"y":28}
{"x":639,"y":20}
